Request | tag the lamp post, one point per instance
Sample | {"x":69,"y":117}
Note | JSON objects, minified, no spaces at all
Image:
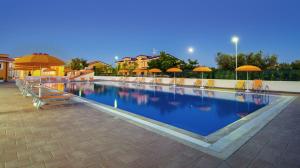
{"x":191,"y":50}
{"x":235,"y":40}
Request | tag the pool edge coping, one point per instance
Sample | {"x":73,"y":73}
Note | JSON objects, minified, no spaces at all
{"x":222,"y":148}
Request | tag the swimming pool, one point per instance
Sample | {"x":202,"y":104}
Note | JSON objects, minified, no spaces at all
{"x":214,"y":122}
{"x":201,"y":112}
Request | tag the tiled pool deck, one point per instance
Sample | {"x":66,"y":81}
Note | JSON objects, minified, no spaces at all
{"x":80,"y":136}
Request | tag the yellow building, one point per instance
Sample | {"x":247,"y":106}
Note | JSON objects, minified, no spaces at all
{"x":138,"y":62}
{"x":5,"y":67}
{"x":100,"y":66}
{"x":51,"y":71}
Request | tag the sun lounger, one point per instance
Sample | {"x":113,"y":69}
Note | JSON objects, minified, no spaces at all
{"x":158,"y":81}
{"x":136,"y":80}
{"x":142,"y":80}
{"x":171,"y":82}
{"x":152,"y":80}
{"x":240,"y":85}
{"x":52,"y":99}
{"x":198,"y":83}
{"x":210,"y":83}
{"x":257,"y":84}
{"x":180,"y":81}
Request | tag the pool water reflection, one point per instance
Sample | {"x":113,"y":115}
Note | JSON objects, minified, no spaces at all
{"x":197,"y":111}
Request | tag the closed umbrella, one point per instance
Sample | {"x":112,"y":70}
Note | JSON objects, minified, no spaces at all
{"x":174,"y":70}
{"x":248,"y":68}
{"x":202,"y":69}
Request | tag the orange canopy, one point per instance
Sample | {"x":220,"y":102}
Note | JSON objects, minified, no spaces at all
{"x":22,"y":67}
{"x":202,"y":69}
{"x":26,"y":68}
{"x":38,"y":59}
{"x":248,"y":68}
{"x":174,"y":70}
{"x":155,"y":70}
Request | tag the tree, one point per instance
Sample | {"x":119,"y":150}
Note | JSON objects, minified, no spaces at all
{"x":296,"y":64}
{"x":191,"y":64}
{"x":165,"y":62}
{"x":225,"y":61}
{"x":270,"y":62}
{"x":284,"y":66}
{"x":78,"y":64}
{"x":255,"y":59}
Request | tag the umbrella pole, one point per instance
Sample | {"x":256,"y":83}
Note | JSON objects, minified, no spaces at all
{"x":202,"y":87}
{"x":154,"y":79}
{"x":174,"y":80}
{"x":247,"y":90}
{"x":40,"y":85}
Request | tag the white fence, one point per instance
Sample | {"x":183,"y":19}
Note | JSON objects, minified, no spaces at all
{"x":283,"y":86}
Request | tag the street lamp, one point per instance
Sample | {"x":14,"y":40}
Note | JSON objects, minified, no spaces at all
{"x":191,"y":50}
{"x":235,"y":40}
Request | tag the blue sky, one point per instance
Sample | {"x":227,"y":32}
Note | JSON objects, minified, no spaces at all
{"x":102,"y":29}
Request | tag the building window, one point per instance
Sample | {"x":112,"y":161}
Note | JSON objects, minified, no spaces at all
{"x":1,"y":65}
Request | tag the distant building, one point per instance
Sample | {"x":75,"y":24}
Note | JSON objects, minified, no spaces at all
{"x":99,"y":66}
{"x":5,"y":67}
{"x":138,"y":62}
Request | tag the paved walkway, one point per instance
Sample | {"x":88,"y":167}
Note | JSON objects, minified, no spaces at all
{"x":80,"y":136}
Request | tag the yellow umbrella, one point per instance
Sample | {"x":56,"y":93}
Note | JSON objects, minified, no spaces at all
{"x":174,"y":70}
{"x":154,"y":70}
{"x":248,"y":68}
{"x":39,"y":59}
{"x":202,"y":69}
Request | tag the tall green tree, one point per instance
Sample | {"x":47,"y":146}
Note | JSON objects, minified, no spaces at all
{"x":78,"y":64}
{"x":255,"y":59}
{"x":296,"y":64}
{"x":270,"y":62}
{"x":225,"y":61}
{"x":165,"y":62}
{"x":191,"y":64}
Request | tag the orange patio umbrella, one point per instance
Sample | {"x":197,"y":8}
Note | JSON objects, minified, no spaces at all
{"x":202,"y":69}
{"x":154,"y":71}
{"x":174,"y":70}
{"x":248,"y":68}
{"x":41,"y":60}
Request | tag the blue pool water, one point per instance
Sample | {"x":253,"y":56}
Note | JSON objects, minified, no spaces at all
{"x":200,"y":112}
